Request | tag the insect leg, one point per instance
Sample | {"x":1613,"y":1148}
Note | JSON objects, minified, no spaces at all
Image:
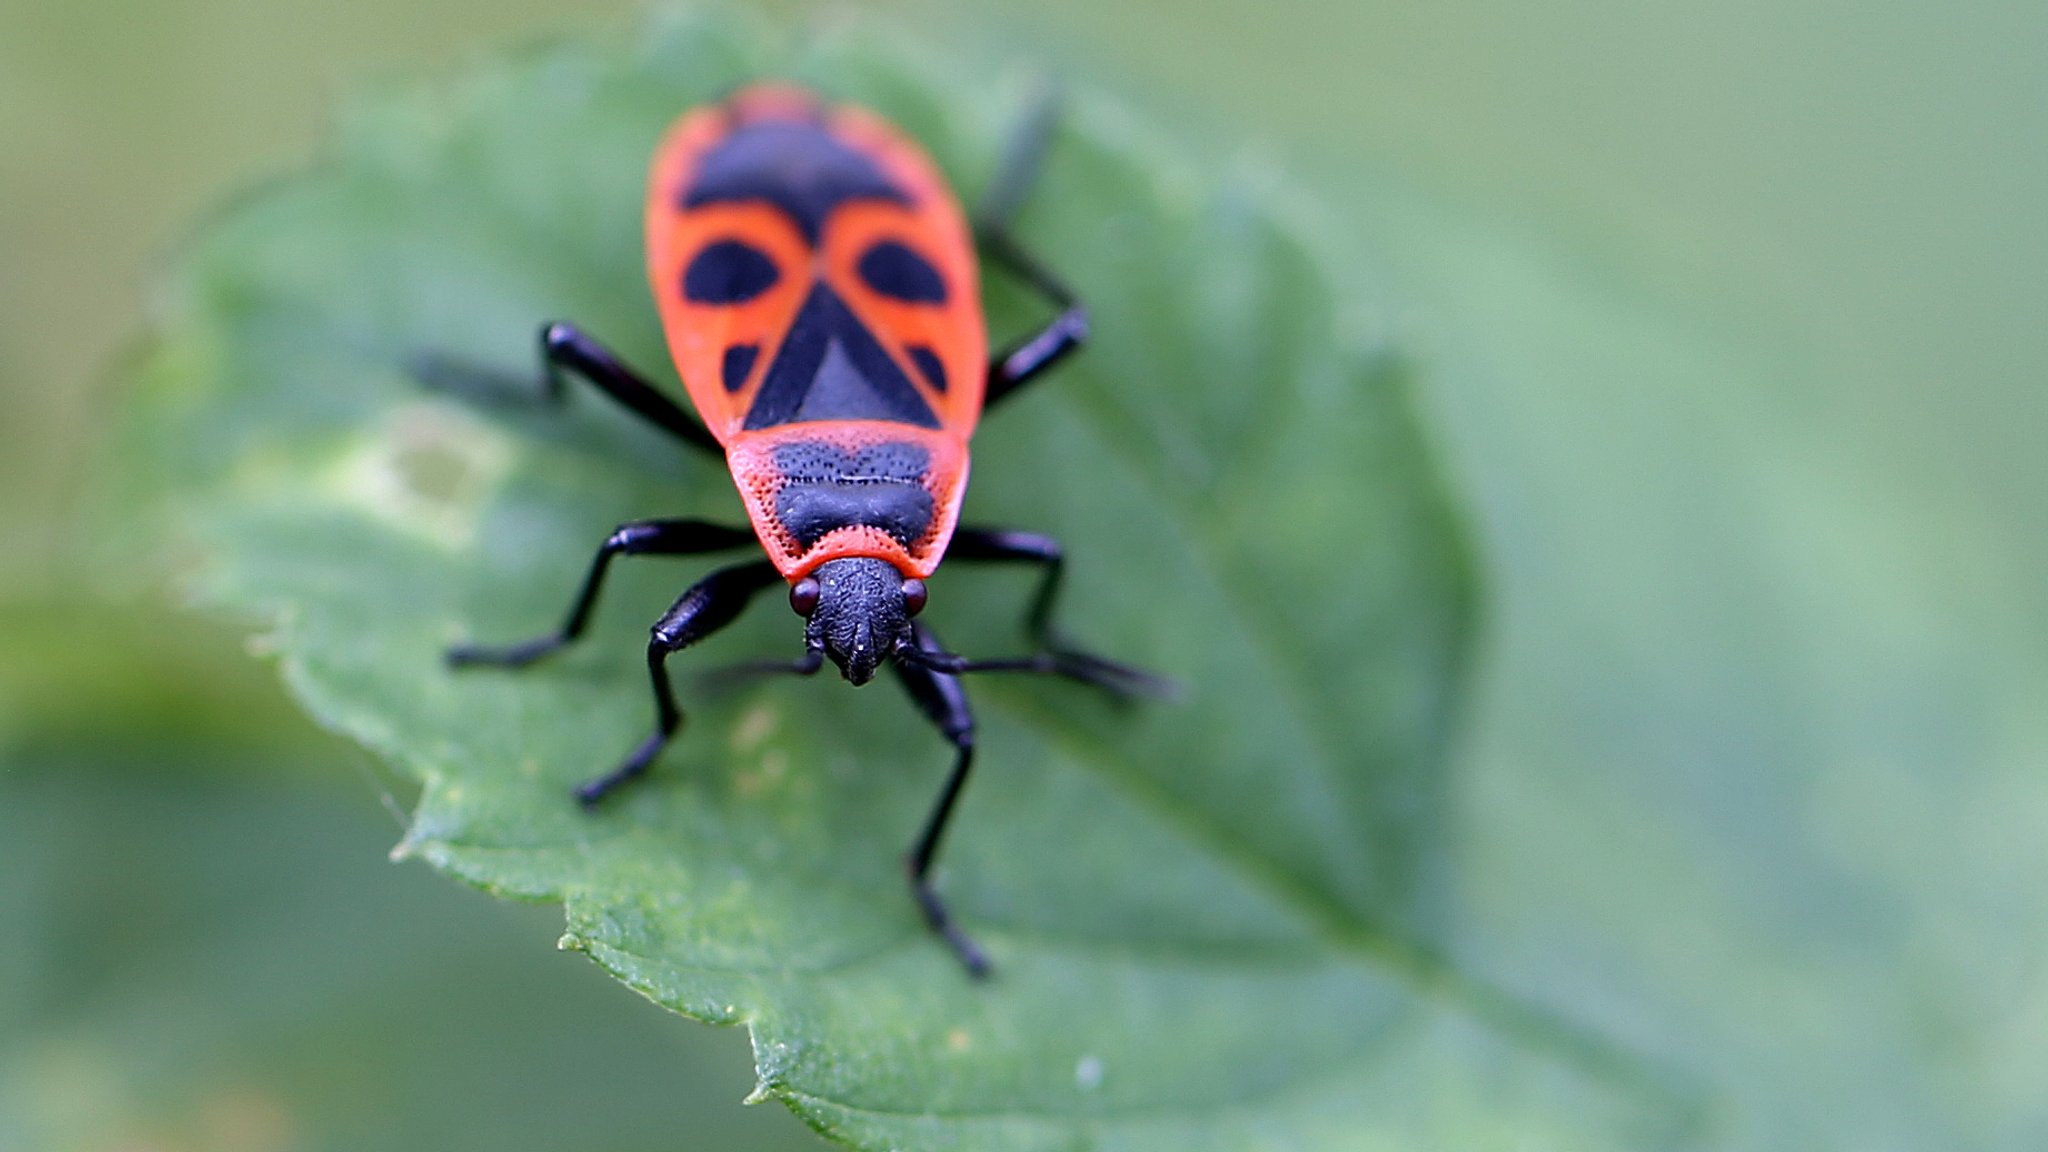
{"x":708,"y":605}
{"x":942,"y":699}
{"x":640,"y":538}
{"x":565,"y":347}
{"x":1022,"y":158}
{"x":1017,"y":170}
{"x":1027,"y":359}
{"x":999,"y":545}
{"x":730,"y":676}
{"x":1055,"y":656}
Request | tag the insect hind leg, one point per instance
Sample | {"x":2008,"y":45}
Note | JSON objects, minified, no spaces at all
{"x":1024,"y":156}
{"x":564,"y":350}
{"x":1022,"y":159}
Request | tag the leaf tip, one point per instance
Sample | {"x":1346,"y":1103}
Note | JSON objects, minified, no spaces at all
{"x":763,"y":1092}
{"x":772,"y":1060}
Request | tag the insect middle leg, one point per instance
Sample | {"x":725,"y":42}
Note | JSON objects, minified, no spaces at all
{"x":639,"y":538}
{"x":1054,"y":655}
{"x":944,"y":701}
{"x":1025,"y":360}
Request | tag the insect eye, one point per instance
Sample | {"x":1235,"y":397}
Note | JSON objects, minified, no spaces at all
{"x":913,"y":596}
{"x":803,"y":596}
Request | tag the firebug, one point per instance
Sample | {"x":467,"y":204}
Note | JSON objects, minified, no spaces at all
{"x":819,"y":287}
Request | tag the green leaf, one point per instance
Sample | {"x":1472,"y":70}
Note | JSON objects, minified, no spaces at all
{"x":1214,"y":920}
{"x":1754,"y":777}
{"x":201,"y":954}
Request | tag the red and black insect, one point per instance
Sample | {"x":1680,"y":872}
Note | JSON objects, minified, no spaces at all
{"x":818,"y":285}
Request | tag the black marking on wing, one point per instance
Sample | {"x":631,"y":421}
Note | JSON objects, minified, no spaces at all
{"x":898,"y":272}
{"x":830,"y":367}
{"x":799,"y":167}
{"x":826,"y":487}
{"x":737,"y":365}
{"x":728,"y":272}
{"x":928,"y":363}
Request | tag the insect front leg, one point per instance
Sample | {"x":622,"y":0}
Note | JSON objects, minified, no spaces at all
{"x":942,"y":699}
{"x":730,"y":676}
{"x":1055,"y":655}
{"x":639,"y":538}
{"x":709,"y":605}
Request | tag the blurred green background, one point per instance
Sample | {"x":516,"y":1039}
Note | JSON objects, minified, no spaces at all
{"x":1734,"y":313}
